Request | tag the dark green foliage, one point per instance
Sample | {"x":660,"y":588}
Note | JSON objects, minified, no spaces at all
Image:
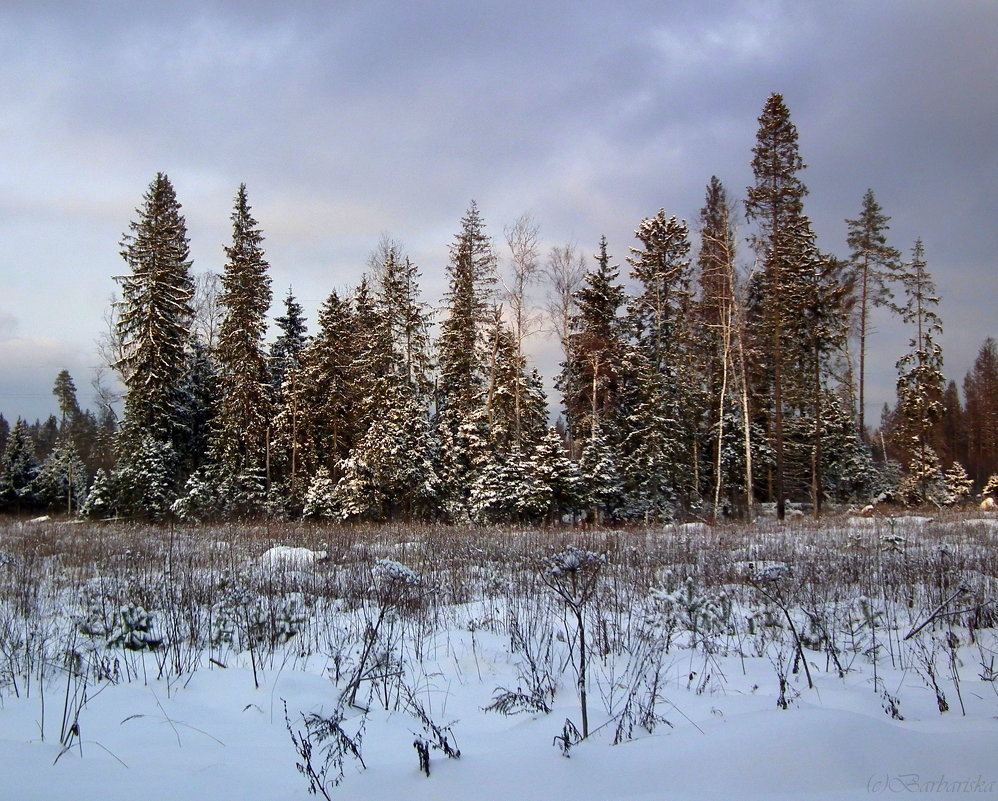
{"x":590,"y":377}
{"x":241,"y":425}
{"x":155,"y":315}
{"x":18,"y":469}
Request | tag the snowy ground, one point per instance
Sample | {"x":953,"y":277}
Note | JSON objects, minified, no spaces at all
{"x":678,"y":624}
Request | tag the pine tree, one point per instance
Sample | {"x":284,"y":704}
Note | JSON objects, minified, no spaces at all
{"x":155,"y":315}
{"x":775,"y":202}
{"x":241,"y":428}
{"x":875,"y":265}
{"x":65,"y":391}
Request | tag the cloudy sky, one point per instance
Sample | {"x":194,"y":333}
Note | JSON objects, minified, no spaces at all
{"x":350,"y":120}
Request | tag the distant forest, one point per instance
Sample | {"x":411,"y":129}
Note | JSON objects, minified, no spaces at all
{"x":701,"y":387}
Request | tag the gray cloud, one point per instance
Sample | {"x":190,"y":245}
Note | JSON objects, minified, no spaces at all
{"x":348,"y":120}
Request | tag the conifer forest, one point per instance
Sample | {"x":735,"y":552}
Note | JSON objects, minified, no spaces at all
{"x":707,"y":368}
{"x":375,"y":553}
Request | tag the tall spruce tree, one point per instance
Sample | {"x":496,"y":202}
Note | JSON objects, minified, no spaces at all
{"x":321,"y":419}
{"x":404,"y":320}
{"x":155,"y":315}
{"x":920,"y":378}
{"x":776,"y":203}
{"x":241,"y":428}
{"x":153,"y":332}
{"x":590,"y":377}
{"x":875,"y":265}
{"x":463,"y":380}
{"x":823,"y":326}
{"x":665,"y":420}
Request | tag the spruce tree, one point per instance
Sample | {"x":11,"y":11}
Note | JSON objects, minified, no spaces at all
{"x":590,"y":378}
{"x":320,"y":419}
{"x":462,"y":359}
{"x":980,"y":390}
{"x":662,"y":269}
{"x":285,"y":353}
{"x":920,"y":377}
{"x":404,"y":319}
{"x":390,"y":472}
{"x":18,"y":469}
{"x":241,"y":427}
{"x":155,"y":316}
{"x":471,"y":273}
{"x":602,"y":488}
{"x":62,"y":480}
{"x":776,"y":202}
{"x":718,"y":337}
{"x":666,"y":417}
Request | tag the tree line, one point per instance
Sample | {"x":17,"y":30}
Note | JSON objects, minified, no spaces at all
{"x":710,"y":382}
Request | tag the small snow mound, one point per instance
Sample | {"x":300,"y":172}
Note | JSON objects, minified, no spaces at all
{"x":287,"y":556}
{"x":388,"y":570}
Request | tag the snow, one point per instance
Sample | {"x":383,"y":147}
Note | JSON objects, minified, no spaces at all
{"x":291,"y":557}
{"x":217,"y":729}
{"x":217,"y":736}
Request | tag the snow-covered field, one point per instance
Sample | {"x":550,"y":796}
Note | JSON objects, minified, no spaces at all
{"x":729,"y":662}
